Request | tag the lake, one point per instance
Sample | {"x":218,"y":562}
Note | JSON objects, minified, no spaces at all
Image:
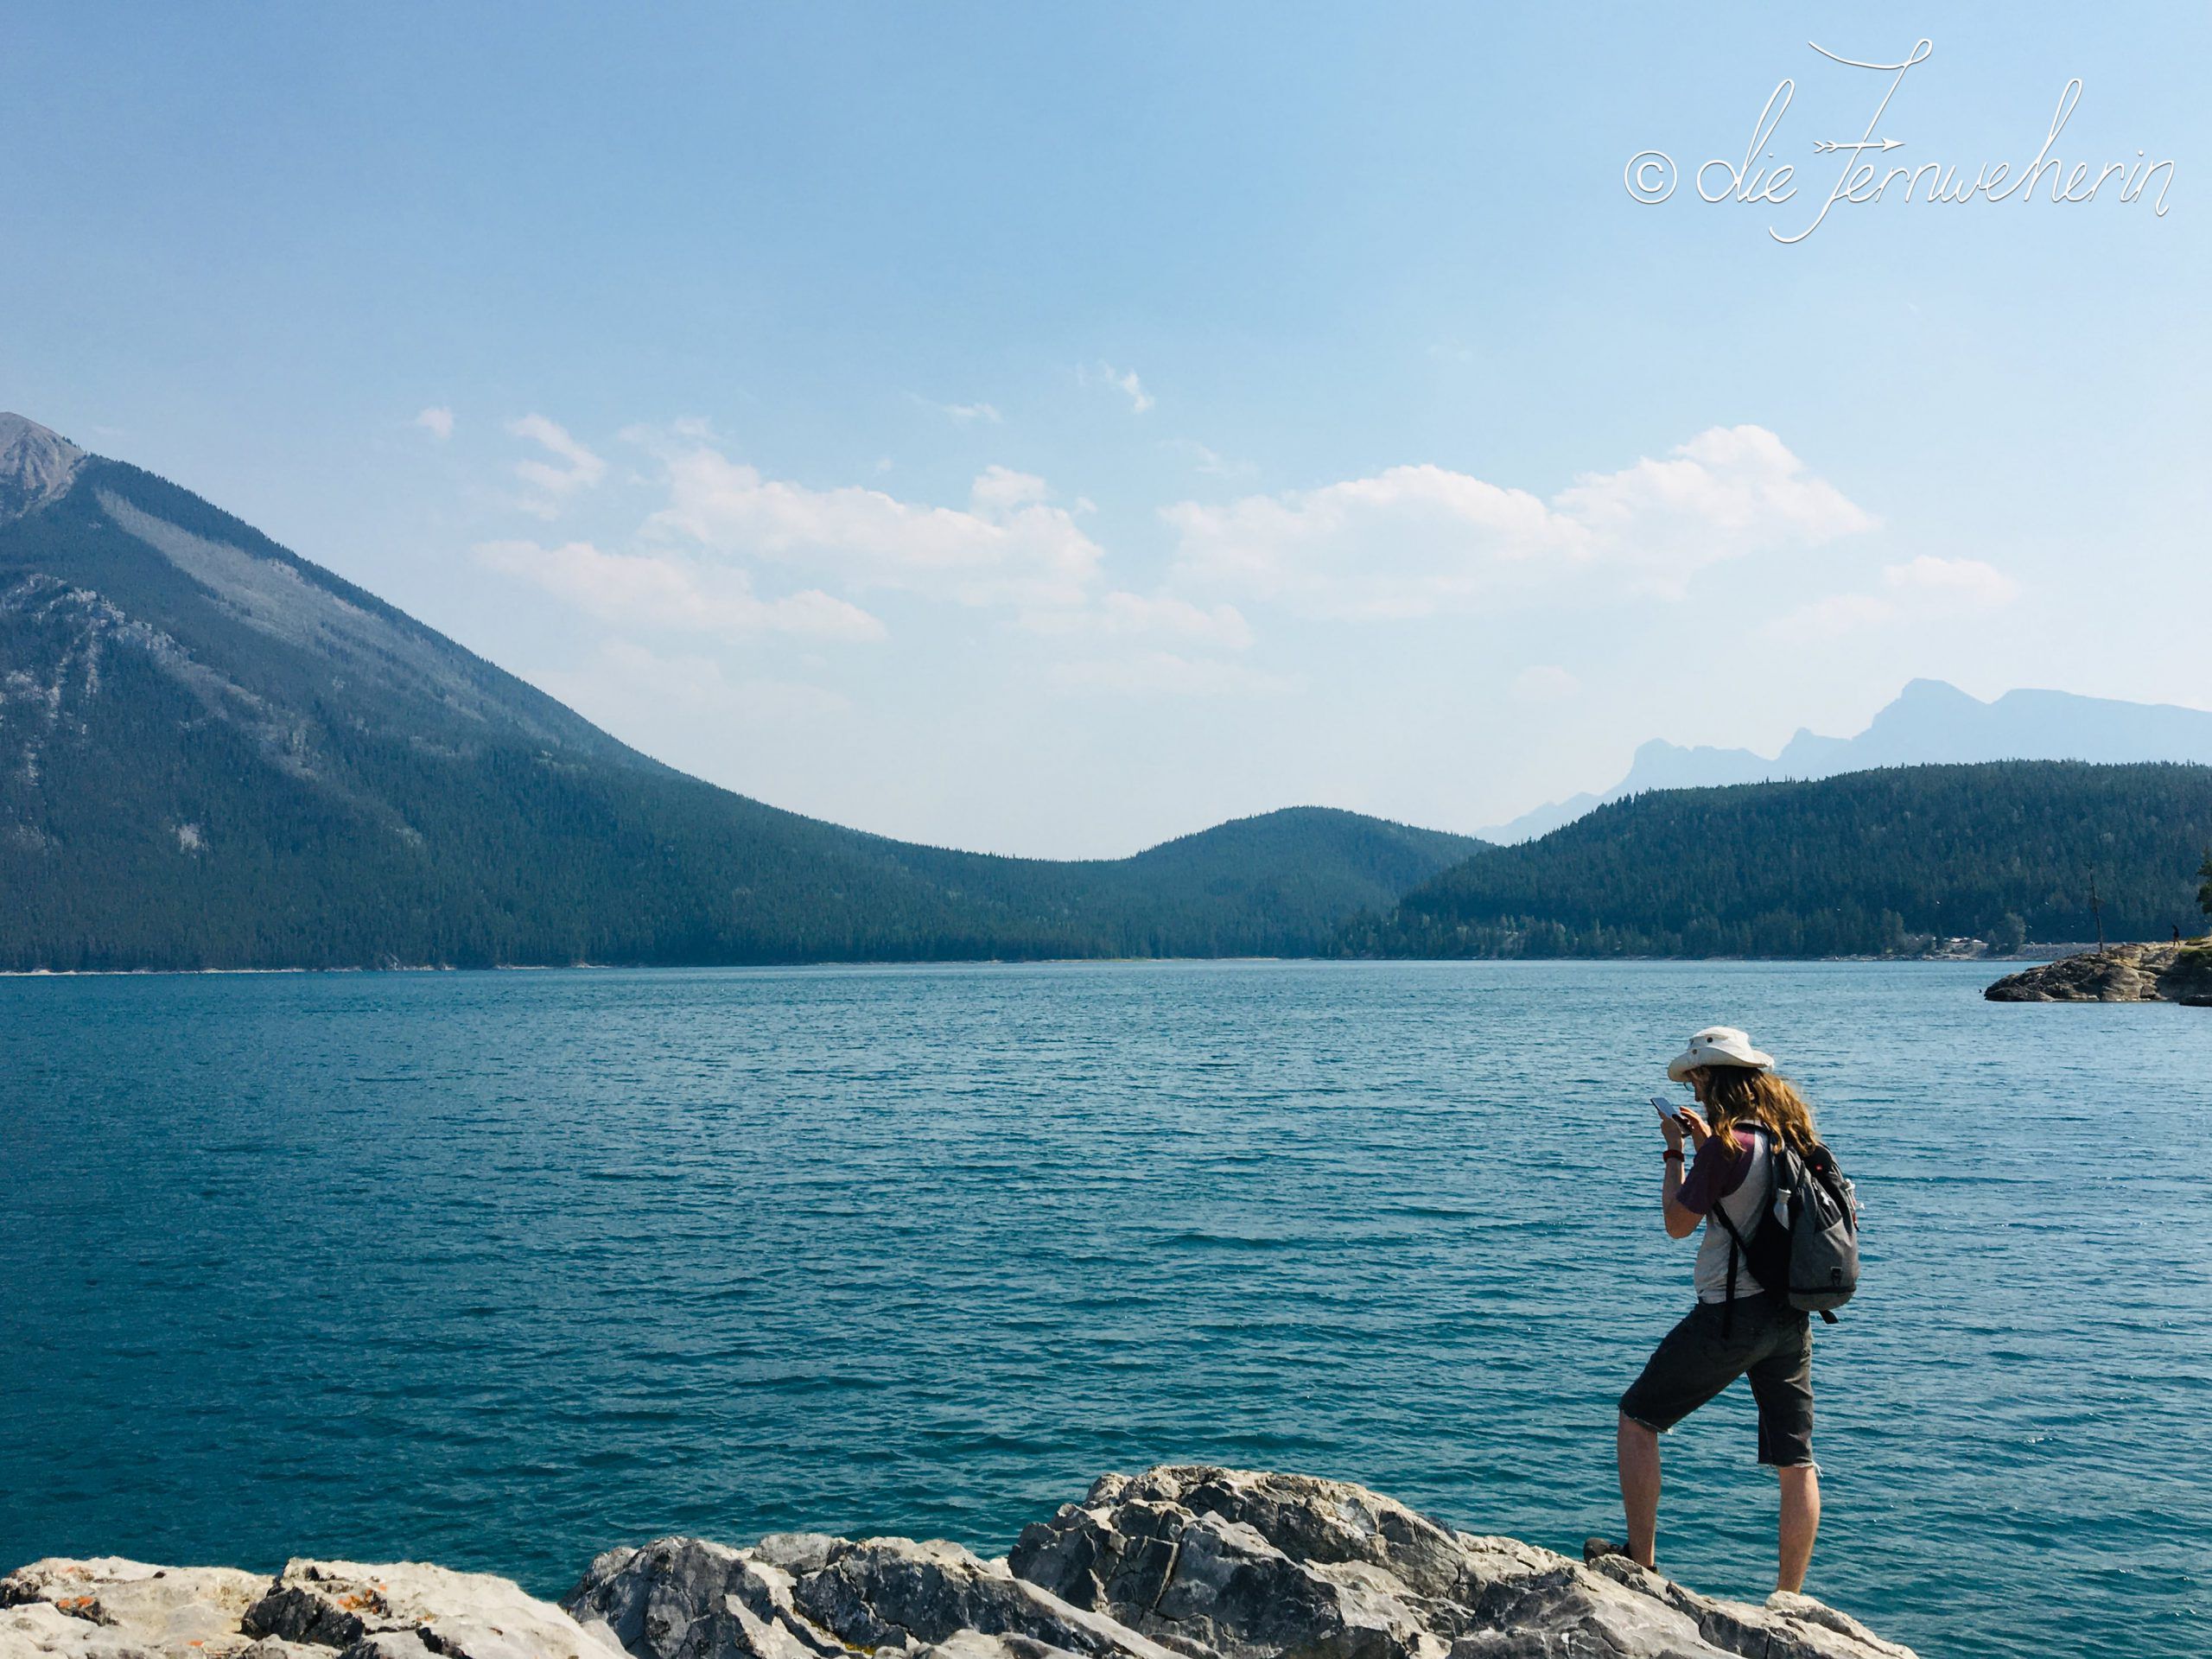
{"x":500,"y":1269}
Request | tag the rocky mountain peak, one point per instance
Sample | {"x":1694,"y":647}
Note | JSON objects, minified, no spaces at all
{"x":36,"y":466}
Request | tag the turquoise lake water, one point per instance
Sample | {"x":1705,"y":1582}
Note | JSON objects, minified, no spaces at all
{"x":500,"y":1269}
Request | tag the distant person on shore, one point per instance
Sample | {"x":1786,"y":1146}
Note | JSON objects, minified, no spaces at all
{"x":1737,"y":1329}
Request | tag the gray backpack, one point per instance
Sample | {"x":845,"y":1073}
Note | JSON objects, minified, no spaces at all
{"x":1804,"y":1252}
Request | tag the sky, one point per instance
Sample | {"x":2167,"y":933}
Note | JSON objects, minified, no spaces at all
{"x":1048,"y":430}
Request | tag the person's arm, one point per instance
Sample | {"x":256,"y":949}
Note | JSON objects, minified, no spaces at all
{"x":1681,"y":1223}
{"x":1682,"y":1219}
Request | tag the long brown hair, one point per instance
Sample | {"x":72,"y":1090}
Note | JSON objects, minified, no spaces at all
{"x":1741,"y":1097}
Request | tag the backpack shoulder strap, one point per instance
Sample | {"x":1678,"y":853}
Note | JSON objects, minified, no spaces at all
{"x":1737,"y":1247}
{"x":1736,"y":1241}
{"x":1774,"y":1150}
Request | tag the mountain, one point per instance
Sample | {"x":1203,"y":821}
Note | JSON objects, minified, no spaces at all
{"x":1863,"y":863}
{"x":1930,"y":723}
{"x":214,"y":753}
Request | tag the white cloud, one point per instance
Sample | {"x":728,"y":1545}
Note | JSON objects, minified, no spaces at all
{"x":1000,"y":490}
{"x":1923,"y":589}
{"x":1546,"y":683}
{"x":579,"y":469}
{"x":1969,"y":583}
{"x":644,"y":589}
{"x":1414,"y":540}
{"x":1009,"y":545}
{"x":699,"y":554}
{"x":1164,"y":674}
{"x":1124,"y":381}
{"x":1210,"y":462}
{"x":438,"y":422}
{"x":1119,"y":614}
{"x":965,"y":414}
{"x":1404,"y":543}
{"x":626,"y":679}
{"x":1728,"y":491}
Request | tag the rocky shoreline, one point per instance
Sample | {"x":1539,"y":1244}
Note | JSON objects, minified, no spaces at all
{"x":2124,"y":973}
{"x":1181,"y":1562}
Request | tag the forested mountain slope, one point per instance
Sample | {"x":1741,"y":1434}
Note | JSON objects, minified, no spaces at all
{"x":1867,"y":863}
{"x":214,"y":753}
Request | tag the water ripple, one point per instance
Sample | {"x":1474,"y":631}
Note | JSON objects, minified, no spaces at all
{"x":500,"y":1269}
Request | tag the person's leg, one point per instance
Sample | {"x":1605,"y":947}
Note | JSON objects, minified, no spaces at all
{"x":1801,"y":1522}
{"x":1637,"y":1450}
{"x":1691,"y":1365}
{"x":1781,"y":1383}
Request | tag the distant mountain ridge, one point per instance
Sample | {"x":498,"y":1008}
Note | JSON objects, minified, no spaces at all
{"x":1930,"y":723}
{"x":214,"y":753}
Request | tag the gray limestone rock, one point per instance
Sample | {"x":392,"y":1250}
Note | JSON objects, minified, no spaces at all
{"x":1255,"y":1566}
{"x":1177,"y":1563}
{"x":684,"y":1598}
{"x":891,"y":1590}
{"x":805,"y":1596}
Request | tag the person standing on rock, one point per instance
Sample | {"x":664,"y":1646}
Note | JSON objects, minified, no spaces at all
{"x":1736,"y":1329}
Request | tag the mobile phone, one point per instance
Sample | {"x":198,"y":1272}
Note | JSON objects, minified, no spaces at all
{"x":1659,"y":1105}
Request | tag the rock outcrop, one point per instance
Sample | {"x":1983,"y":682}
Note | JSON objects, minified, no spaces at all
{"x":109,"y":1608}
{"x":36,"y":466}
{"x":2124,"y":973}
{"x":1243,"y":1566}
{"x":1177,"y":1563}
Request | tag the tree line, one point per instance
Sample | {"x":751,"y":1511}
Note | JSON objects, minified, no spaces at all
{"x":1890,"y":862}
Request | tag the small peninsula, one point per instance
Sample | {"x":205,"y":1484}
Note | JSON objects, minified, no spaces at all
{"x":2126,"y":973}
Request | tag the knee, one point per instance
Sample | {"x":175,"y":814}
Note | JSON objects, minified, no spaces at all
{"x":1630,"y":1429}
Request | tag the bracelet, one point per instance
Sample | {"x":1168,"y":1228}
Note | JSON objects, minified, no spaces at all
{"x":1673,"y":1155}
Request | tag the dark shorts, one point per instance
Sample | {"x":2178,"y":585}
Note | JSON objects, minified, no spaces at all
{"x":1693,"y":1362}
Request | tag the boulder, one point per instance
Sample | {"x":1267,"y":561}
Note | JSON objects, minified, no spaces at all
{"x":685,"y":1598}
{"x":801,"y":1596}
{"x":1253,"y":1565}
{"x":108,"y":1608}
{"x":397,"y":1609}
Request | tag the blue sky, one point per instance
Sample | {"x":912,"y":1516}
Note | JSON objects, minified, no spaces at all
{"x":1052,"y":428}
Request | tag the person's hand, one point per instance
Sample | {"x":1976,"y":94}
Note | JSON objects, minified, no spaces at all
{"x":1671,"y":1127}
{"x":1693,"y":1120}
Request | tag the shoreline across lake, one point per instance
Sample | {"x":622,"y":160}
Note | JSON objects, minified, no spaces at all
{"x":2038,"y":955}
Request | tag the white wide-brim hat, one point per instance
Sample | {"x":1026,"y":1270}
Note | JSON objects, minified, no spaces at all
{"x":1718,"y":1045}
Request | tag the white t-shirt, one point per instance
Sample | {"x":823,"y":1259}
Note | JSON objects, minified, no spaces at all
{"x":1743,"y":1202}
